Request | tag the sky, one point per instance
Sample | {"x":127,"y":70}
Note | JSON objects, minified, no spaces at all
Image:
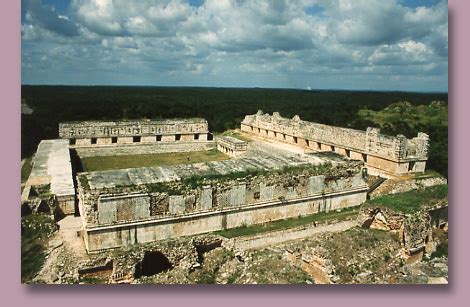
{"x":318,"y":44}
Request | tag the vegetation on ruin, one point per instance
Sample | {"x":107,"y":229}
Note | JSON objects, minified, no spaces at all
{"x":35,"y":231}
{"x":202,"y":179}
{"x":359,"y":250}
{"x":292,"y":170}
{"x":102,"y":163}
{"x":26,"y":169}
{"x":289,"y":223}
{"x":411,"y":201}
{"x":224,"y":108}
{"x":442,"y":239}
{"x":408,"y":119}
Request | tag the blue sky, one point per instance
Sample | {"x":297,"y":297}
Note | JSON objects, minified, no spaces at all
{"x":324,"y":44}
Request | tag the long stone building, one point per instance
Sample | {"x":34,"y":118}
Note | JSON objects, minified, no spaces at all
{"x":387,"y":156}
{"x":95,"y":133}
{"x":130,"y":206}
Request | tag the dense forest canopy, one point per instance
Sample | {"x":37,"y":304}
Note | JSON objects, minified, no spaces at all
{"x":224,"y":108}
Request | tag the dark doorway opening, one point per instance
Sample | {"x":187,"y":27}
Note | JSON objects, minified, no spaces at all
{"x":72,"y":142}
{"x":114,"y":140}
{"x":177,"y":137}
{"x":136,"y":139}
{"x":196,"y":136}
{"x":154,"y":262}
{"x":93,"y":140}
{"x":159,"y":138}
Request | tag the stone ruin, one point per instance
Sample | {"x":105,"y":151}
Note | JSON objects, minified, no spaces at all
{"x":383,"y":155}
{"x":129,"y":206}
{"x":96,"y":133}
{"x":231,"y":146}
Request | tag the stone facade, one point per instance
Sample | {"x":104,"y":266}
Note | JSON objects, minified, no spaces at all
{"x":231,"y":146}
{"x":94,"y":133}
{"x":175,"y":207}
{"x":383,"y":155}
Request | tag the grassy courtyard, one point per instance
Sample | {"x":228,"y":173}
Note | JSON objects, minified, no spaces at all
{"x":91,"y":164}
{"x":289,"y":223}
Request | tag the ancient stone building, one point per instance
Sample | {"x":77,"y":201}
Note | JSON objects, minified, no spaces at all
{"x":52,"y":173}
{"x":383,"y":155}
{"x":129,"y":206}
{"x":95,"y":133}
{"x":231,"y":146}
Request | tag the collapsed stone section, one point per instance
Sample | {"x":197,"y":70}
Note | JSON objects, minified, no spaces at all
{"x":132,"y":206}
{"x":383,"y":155}
{"x":95,"y":133}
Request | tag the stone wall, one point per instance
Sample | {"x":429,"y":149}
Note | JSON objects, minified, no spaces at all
{"x":185,"y":210}
{"x":231,"y":146}
{"x":145,"y":149}
{"x":89,"y":129}
{"x":95,"y":133}
{"x":113,"y":236}
{"x":387,"y":156}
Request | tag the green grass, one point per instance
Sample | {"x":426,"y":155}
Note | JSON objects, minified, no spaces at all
{"x":287,"y":223}
{"x":26,"y":169}
{"x":411,"y":201}
{"x":92,"y":164}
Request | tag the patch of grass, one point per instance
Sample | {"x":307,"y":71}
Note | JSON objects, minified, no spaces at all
{"x":427,"y":174}
{"x":287,"y":223}
{"x":92,"y":164}
{"x":35,"y":230}
{"x":26,"y":169}
{"x":411,"y":201}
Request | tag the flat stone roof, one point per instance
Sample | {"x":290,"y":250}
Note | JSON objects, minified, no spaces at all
{"x":231,"y":139}
{"x":52,"y":161}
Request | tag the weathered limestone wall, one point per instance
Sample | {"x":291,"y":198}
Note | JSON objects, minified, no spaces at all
{"x":66,"y":204}
{"x":190,"y":224}
{"x":90,"y":133}
{"x":385,"y":155}
{"x":145,"y":148}
{"x":123,"y":208}
{"x":90,"y":129}
{"x":231,"y":146}
{"x":400,"y":186}
{"x":51,"y":167}
{"x":281,"y":236}
{"x":177,"y":209}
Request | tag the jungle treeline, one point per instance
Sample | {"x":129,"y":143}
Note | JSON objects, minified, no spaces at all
{"x":224,"y":108}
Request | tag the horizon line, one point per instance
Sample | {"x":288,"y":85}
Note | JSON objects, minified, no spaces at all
{"x":242,"y":87}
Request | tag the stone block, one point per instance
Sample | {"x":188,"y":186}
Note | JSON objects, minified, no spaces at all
{"x":177,"y":205}
{"x":205,"y":200}
{"x":238,"y":195}
{"x":316,"y":184}
{"x":266,"y":192}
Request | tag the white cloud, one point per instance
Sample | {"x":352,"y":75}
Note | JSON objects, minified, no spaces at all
{"x":246,"y":40}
